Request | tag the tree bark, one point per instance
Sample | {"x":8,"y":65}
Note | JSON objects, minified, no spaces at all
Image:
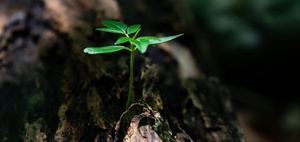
{"x":52,"y":91}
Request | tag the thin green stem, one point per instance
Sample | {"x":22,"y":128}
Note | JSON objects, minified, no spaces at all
{"x":130,"y":89}
{"x":136,"y":33}
{"x":128,"y":49}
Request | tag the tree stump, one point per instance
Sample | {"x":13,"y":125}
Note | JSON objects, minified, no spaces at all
{"x":52,"y":91}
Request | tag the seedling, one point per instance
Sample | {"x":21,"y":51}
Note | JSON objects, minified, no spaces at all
{"x":129,"y":34}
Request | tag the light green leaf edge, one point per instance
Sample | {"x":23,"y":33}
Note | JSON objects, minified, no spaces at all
{"x":109,"y":30}
{"x":138,"y":45}
{"x":151,"y":39}
{"x":115,"y":25}
{"x":165,"y":39}
{"x":123,"y":40}
{"x":104,"y":49}
{"x":132,"y":29}
{"x":143,"y":45}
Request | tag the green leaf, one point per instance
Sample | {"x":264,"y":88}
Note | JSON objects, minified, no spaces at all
{"x":133,"y":29}
{"x":109,"y":30}
{"x":151,"y":39}
{"x":165,"y":39}
{"x":143,"y":45}
{"x":123,"y":40}
{"x":115,"y":25}
{"x":104,"y":49}
{"x":136,"y":43}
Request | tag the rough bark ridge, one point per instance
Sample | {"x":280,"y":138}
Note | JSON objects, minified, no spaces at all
{"x":52,"y":91}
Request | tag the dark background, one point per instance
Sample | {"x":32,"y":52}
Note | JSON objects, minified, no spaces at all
{"x":256,"y":50}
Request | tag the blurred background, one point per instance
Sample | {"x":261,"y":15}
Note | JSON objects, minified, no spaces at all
{"x":255,"y":46}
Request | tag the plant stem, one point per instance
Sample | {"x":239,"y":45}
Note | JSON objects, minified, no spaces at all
{"x":130,"y":89}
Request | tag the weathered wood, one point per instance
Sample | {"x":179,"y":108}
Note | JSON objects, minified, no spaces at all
{"x":81,"y":97}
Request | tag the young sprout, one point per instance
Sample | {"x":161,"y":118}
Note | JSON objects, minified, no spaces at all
{"x":129,"y":34}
